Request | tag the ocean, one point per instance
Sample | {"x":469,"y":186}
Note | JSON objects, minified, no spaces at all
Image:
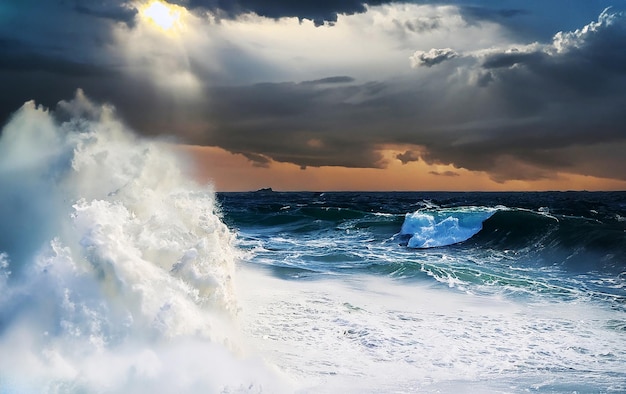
{"x":437,"y":292}
{"x":121,"y":274}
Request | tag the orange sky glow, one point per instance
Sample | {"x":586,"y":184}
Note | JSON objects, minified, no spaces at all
{"x":233,"y":172}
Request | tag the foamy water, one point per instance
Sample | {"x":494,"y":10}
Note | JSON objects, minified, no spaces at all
{"x":370,"y":334}
{"x":116,"y":273}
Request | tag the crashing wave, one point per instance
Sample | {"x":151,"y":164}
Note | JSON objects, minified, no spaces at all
{"x":431,"y":228}
{"x":115,"y":269}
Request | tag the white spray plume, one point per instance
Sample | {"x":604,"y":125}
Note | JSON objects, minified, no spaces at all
{"x":115,"y":269}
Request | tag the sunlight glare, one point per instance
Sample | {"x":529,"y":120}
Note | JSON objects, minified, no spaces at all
{"x":162,"y":14}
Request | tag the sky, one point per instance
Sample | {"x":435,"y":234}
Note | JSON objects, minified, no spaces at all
{"x":343,"y":94}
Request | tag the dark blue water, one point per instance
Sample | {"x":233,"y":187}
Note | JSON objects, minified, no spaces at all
{"x":574,"y":240}
{"x":555,"y":261}
{"x":118,"y":274}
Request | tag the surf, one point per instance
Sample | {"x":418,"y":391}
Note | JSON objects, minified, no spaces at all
{"x":527,"y":294}
{"x":118,"y":274}
{"x":431,"y":228}
{"x":116,"y":270}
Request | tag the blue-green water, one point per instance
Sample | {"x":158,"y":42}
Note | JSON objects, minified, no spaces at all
{"x":119,"y":274}
{"x":501,"y":243}
{"x":505,"y":292}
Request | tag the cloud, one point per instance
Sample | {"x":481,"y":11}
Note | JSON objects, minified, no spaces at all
{"x":432,"y":57}
{"x":445,"y":173}
{"x":16,"y":56}
{"x":51,"y":48}
{"x":286,"y":91}
{"x":476,"y":14}
{"x":545,"y":102}
{"x":328,"y":80}
{"x":297,"y":123}
{"x":423,"y":24}
{"x":257,"y":159}
{"x":108,"y":10}
{"x":509,"y":59}
{"x":408,"y":156}
{"x":317,"y":11}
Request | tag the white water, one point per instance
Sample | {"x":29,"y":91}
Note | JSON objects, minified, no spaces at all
{"x":441,"y":227}
{"x":117,"y":276}
{"x":116,"y":273}
{"x":372,"y":334}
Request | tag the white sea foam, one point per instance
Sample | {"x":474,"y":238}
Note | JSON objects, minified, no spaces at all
{"x":116,"y":273}
{"x":116,"y":276}
{"x":373,"y":334}
{"x":444,"y":226}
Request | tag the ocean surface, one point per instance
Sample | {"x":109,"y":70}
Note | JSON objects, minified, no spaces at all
{"x":120,"y":274}
{"x":438,"y":292}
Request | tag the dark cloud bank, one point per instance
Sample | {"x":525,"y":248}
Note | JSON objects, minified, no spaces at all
{"x":327,"y":11}
{"x":522,"y":115}
{"x":319,"y":11}
{"x":526,"y":114}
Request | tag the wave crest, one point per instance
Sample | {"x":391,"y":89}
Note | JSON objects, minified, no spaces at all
{"x":446,"y":226}
{"x":108,"y":251}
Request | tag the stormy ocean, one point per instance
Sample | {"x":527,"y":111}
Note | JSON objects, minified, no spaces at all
{"x":119,"y":274}
{"x":438,"y":292}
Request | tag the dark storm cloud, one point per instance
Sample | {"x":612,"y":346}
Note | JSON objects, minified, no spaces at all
{"x":299,"y":123}
{"x":57,"y":36}
{"x":319,"y":11}
{"x":25,"y":74}
{"x":476,"y":14}
{"x":338,"y":79}
{"x":537,"y":110}
{"x":508,"y":59}
{"x":257,"y":160}
{"x":547,"y":103}
{"x":113,"y":10}
{"x":48,"y":49}
{"x":18,"y":57}
{"x":518,"y":114}
{"x":445,"y":173}
{"x":408,"y":156}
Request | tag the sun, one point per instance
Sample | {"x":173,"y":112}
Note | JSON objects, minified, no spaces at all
{"x":163,"y":15}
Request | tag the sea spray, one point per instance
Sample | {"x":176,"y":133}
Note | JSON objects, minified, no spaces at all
{"x":116,"y":272}
{"x":441,"y":227}
{"x":530,"y":303}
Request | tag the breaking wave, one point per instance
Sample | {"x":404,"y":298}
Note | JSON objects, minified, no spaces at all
{"x":116,"y":271}
{"x":445,"y":226}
